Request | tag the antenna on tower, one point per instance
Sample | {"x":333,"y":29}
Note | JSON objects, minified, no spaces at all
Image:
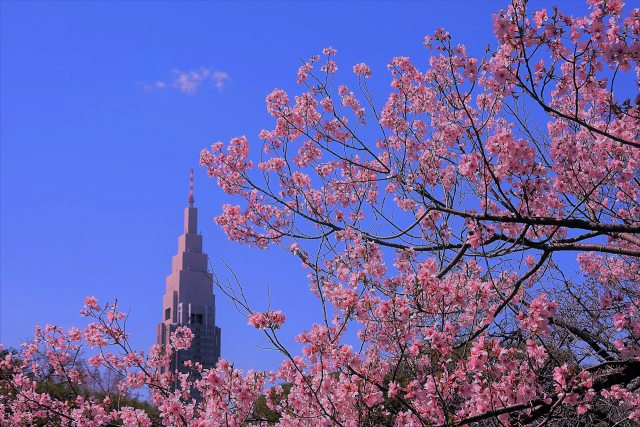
{"x":191,"y":188}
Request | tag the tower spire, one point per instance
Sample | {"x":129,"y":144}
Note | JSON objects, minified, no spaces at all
{"x":191,"y":199}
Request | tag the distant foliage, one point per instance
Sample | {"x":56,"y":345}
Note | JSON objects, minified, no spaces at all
{"x":480,"y":231}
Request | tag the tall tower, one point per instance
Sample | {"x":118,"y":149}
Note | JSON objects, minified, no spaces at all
{"x":188,"y":299}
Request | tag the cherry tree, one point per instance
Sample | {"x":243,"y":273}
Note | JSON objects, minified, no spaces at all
{"x":479,"y":230}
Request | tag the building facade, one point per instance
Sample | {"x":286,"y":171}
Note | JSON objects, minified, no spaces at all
{"x":189,"y":299}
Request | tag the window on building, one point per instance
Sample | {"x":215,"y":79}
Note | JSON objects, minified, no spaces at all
{"x":167,"y":314}
{"x":196,"y":319}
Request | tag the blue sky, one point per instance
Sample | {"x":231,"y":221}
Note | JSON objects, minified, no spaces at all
{"x":95,"y":153}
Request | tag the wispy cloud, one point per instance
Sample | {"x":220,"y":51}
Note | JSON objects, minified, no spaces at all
{"x":191,"y":81}
{"x":157,"y":85}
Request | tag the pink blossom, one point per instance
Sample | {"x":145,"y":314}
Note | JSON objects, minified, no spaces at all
{"x":91,"y":303}
{"x":272,"y":319}
{"x":362,"y":69}
{"x":328,"y":51}
{"x":181,"y":338}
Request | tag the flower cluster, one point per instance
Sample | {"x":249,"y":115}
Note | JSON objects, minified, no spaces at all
{"x":271,"y":319}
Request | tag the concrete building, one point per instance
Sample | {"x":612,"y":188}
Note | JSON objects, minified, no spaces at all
{"x":188,"y":299}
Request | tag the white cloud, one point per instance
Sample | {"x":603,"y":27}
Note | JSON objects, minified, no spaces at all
{"x":219,"y":79}
{"x":191,"y":81}
{"x":157,"y":85}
